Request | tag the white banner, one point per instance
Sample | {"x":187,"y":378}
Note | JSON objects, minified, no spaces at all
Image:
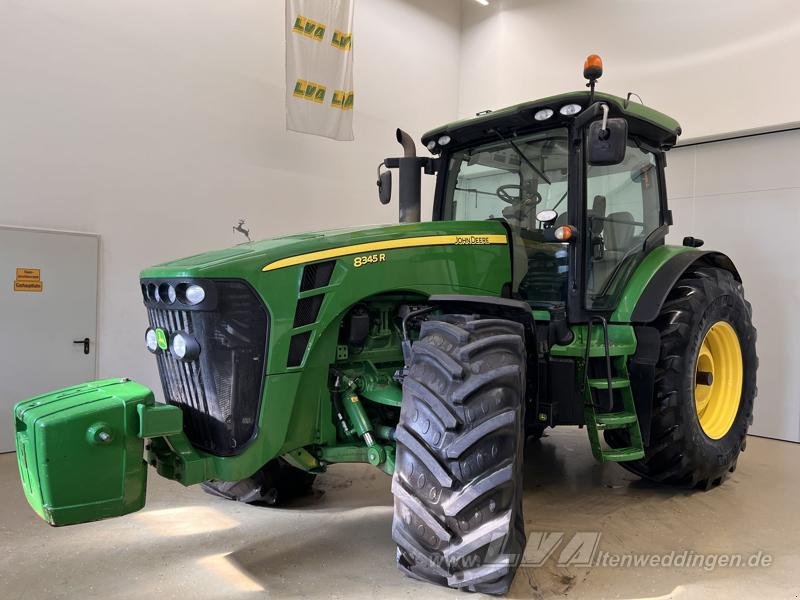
{"x":319,"y":67}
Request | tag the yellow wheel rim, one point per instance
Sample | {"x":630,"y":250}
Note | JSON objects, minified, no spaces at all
{"x":718,"y":380}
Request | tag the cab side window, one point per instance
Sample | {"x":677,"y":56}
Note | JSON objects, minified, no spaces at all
{"x":623,"y":208}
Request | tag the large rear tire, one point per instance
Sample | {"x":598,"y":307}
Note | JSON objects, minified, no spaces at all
{"x":705,"y":383}
{"x":274,"y":484}
{"x":458,"y":478}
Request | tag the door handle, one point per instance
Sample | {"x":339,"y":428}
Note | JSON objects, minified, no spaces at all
{"x":85,"y":342}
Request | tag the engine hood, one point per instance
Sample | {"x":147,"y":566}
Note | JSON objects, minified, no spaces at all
{"x":289,"y":250}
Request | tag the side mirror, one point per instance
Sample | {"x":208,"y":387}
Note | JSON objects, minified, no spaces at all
{"x":384,"y":187}
{"x":607,"y":146}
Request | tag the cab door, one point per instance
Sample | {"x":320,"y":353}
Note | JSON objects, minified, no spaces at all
{"x":623,"y":210}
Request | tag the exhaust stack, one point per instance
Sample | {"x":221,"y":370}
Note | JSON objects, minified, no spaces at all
{"x":410,"y":180}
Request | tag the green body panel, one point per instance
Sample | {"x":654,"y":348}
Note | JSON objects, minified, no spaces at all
{"x":641,"y":277}
{"x":79,"y":454}
{"x":159,"y":420}
{"x":295,"y":405}
{"x":621,"y":338}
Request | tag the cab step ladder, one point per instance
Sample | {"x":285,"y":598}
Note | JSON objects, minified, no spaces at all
{"x":603,"y":418}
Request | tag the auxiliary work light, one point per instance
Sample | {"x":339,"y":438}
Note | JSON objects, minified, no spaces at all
{"x":570,"y":109}
{"x":184,"y":346}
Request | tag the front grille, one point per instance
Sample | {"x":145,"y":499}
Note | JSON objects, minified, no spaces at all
{"x":220,"y":391}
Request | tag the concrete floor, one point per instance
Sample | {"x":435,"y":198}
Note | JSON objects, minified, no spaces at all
{"x":186,"y":544}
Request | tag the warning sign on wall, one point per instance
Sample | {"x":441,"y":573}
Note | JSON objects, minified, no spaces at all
{"x":28,"y":280}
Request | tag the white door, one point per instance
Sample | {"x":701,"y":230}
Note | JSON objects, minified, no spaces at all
{"x":48,"y":302}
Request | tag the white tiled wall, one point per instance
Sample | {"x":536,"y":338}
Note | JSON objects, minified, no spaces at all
{"x":743,"y":198}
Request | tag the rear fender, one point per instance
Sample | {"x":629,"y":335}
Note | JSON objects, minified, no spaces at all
{"x":657,"y":274}
{"x":641,"y":304}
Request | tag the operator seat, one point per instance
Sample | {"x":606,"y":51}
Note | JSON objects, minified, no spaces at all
{"x":618,"y":237}
{"x":519,"y":216}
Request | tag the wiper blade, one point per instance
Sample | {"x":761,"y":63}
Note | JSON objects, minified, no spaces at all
{"x":522,"y":156}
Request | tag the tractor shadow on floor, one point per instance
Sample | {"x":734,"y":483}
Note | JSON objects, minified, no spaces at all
{"x":315,"y":559}
{"x":346,"y":487}
{"x":563,"y":459}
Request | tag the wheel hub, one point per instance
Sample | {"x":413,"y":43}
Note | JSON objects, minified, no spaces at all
{"x":718,"y":379}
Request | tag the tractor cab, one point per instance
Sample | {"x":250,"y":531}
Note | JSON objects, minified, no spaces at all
{"x":577,"y":179}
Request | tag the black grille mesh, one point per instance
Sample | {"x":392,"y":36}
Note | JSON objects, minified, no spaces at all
{"x":297,"y":348}
{"x":219,"y":392}
{"x":316,"y":275}
{"x":307,"y":310}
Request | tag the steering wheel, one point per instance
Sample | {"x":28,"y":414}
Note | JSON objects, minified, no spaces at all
{"x":502,"y":193}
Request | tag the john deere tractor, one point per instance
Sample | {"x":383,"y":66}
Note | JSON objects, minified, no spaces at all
{"x":541,"y":294}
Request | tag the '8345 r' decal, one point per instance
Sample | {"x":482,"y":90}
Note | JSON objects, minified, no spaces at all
{"x":360,"y":261}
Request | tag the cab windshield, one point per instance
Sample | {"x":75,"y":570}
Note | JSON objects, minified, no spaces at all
{"x":515,"y":179}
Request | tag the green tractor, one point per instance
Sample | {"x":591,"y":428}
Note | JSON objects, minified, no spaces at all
{"x":540,"y":294}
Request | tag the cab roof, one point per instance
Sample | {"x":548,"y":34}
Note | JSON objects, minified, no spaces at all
{"x":644,"y":122}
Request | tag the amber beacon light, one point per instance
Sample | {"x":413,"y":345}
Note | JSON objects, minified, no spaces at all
{"x":593,"y":67}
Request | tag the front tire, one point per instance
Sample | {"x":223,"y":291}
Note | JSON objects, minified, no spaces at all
{"x":274,"y":484}
{"x":458,"y":478}
{"x":705,"y":382}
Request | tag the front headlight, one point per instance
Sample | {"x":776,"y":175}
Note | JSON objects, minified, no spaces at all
{"x":166,"y":293}
{"x":184,"y":346}
{"x":194,"y":294}
{"x":151,"y":340}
